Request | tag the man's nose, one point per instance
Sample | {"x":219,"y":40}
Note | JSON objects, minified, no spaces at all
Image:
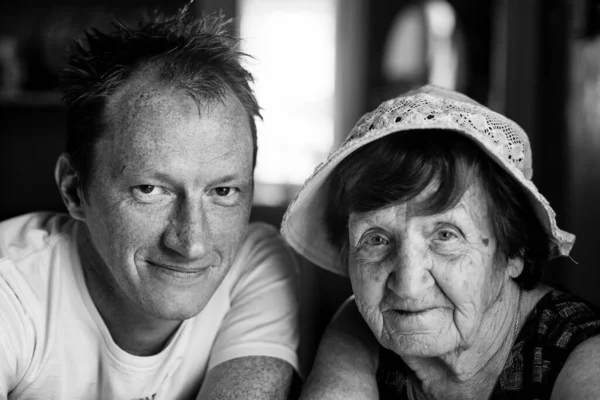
{"x":188,"y":233}
{"x":411,"y":276}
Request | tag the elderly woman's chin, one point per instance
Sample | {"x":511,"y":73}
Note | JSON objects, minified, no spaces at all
{"x":424,"y":334}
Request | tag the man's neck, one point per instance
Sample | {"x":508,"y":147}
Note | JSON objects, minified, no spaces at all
{"x":473,"y":372}
{"x":131,"y":329}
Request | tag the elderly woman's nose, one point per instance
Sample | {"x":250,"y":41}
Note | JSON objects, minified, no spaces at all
{"x":410,"y":276}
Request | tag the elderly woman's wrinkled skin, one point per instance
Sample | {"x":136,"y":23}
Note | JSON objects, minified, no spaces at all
{"x":433,"y":285}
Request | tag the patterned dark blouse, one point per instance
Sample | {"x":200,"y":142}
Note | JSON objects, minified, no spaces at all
{"x":557,"y":324}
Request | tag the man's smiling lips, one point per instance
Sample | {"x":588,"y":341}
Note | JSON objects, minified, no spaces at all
{"x":179,"y":271}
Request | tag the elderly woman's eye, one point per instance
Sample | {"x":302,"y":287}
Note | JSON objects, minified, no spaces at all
{"x":445,"y":235}
{"x":376,"y":240}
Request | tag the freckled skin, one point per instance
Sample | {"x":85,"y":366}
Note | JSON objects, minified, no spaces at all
{"x":160,"y":137}
{"x":402,"y":260}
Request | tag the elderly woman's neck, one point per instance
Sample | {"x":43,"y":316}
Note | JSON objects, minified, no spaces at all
{"x":472,"y":371}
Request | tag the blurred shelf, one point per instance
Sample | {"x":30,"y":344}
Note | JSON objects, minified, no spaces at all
{"x":43,"y":99}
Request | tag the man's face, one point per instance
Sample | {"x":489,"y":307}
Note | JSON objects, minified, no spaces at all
{"x":169,"y":199}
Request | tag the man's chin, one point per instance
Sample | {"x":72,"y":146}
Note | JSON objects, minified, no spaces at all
{"x":176,"y":305}
{"x":169,"y":299}
{"x":173,"y":312}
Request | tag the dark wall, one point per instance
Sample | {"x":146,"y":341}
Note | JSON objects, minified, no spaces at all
{"x":32,"y":139}
{"x":582,"y":102}
{"x":551,"y":91}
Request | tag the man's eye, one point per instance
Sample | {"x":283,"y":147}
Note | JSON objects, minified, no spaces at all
{"x":223,"y":191}
{"x":226,"y":195}
{"x":146,"y":189}
{"x":148,"y":193}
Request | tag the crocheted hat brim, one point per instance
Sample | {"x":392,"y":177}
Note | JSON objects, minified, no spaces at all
{"x":303,"y":224}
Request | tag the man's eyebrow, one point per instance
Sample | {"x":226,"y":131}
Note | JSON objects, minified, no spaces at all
{"x":146,"y":173}
{"x":238,"y":178}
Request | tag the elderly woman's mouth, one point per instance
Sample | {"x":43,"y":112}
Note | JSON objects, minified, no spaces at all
{"x":408,"y":307}
{"x":410,"y":312}
{"x":404,"y":321}
{"x":402,"y":312}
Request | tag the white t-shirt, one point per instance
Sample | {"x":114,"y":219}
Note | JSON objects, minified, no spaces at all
{"x":55,"y":345}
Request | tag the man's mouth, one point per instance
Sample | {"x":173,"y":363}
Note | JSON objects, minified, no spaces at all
{"x":180,"y":269}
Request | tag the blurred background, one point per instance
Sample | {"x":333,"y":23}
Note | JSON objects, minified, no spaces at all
{"x":319,"y":65}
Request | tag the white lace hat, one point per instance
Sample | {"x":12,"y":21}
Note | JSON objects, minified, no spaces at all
{"x":429,"y":107}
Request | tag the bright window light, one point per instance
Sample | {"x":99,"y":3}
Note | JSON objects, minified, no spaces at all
{"x":293,"y":45}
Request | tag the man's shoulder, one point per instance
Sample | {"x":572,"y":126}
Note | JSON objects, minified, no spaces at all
{"x":30,"y":284}
{"x":34,"y":249}
{"x":263,"y":252}
{"x":259,"y":230}
{"x":26,"y":234}
{"x":261,"y":238}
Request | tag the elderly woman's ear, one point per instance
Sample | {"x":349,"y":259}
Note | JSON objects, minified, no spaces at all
{"x":515,"y":267}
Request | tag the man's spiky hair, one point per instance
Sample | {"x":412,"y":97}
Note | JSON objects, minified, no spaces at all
{"x":196,"y":55}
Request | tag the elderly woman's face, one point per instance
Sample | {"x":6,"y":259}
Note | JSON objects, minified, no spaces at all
{"x":425,"y":283}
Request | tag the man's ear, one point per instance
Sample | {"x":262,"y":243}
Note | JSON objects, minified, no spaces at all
{"x":67,"y":179}
{"x":515,"y":266}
